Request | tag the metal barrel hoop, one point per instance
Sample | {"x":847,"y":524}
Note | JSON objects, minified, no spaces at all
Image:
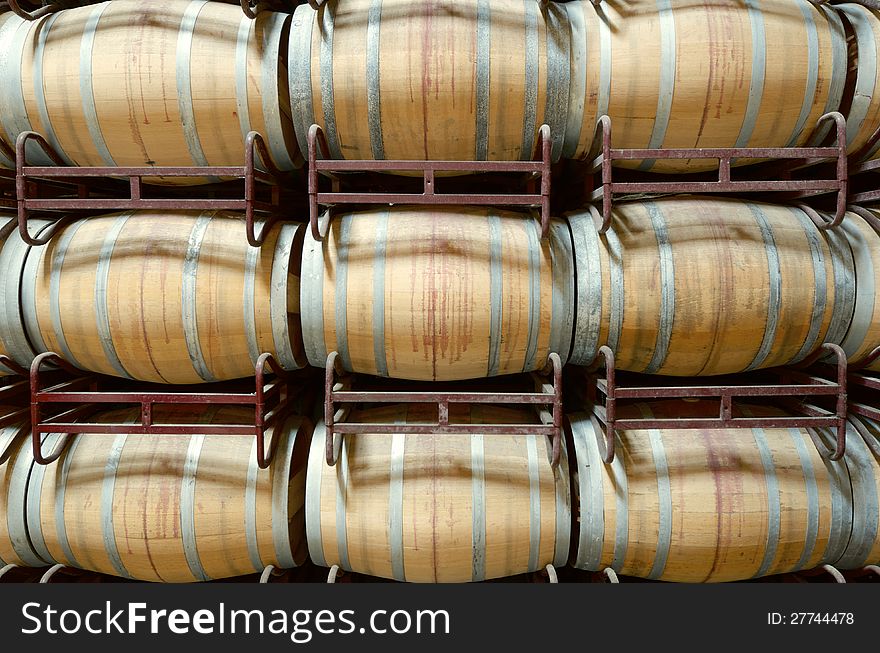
{"x":6,"y":569}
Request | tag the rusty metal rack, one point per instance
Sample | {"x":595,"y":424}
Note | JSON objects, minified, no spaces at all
{"x":860,"y":377}
{"x":792,"y":384}
{"x":7,"y":178}
{"x":262,"y":188}
{"x":773,"y":181}
{"x":80,"y":395}
{"x":546,"y":400}
{"x":13,"y":392}
{"x":538,"y":169}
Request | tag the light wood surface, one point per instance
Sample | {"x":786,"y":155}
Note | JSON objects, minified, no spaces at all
{"x":167,"y":82}
{"x":172,"y":508}
{"x":15,"y":467}
{"x":167,"y":297}
{"x":723,"y":73}
{"x":459,"y":80}
{"x":439,"y":293}
{"x":691,"y":285}
{"x":707,"y":505}
{"x":438,"y":508}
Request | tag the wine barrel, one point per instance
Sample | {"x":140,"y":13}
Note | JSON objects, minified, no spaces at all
{"x":692,"y":286}
{"x":13,"y":251}
{"x":15,"y":467}
{"x":437,"y":508}
{"x":474,"y":79}
{"x":167,"y":82}
{"x":172,"y":508}
{"x":706,"y":505}
{"x":439,"y":293}
{"x":864,"y":470}
{"x":165,"y":297}
{"x":863,"y":112}
{"x":722,"y":73}
{"x":439,"y":80}
{"x":864,"y":332}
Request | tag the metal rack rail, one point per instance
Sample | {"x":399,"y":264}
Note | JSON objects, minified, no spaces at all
{"x":261,"y":196}
{"x":81,"y":394}
{"x":869,"y":382}
{"x":606,"y":188}
{"x":537,"y":170}
{"x":604,"y":393}
{"x":546,"y":400}
{"x":13,"y":392}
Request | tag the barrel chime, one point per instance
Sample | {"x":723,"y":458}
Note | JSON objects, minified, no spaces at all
{"x":677,"y":286}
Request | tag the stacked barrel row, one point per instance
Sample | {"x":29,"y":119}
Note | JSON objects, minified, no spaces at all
{"x":678,"y":286}
{"x":401,"y":80}
{"x":684,"y":506}
{"x":682,"y":285}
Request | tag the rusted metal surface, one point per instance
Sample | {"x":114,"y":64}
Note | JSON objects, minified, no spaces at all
{"x":603,"y":395}
{"x":261,"y":189}
{"x":78,"y":397}
{"x":319,"y":163}
{"x":25,"y":10}
{"x":13,"y":392}
{"x":869,"y":382}
{"x":606,"y":189}
{"x":546,"y":400}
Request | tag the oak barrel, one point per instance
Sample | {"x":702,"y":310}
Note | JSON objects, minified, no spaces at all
{"x":701,"y":505}
{"x":175,"y":297}
{"x":166,"y":82}
{"x":438,"y":508}
{"x":722,"y":73}
{"x":439,"y":80}
{"x":474,"y":79}
{"x":437,"y":293}
{"x":172,"y":508}
{"x":691,"y":285}
{"x":863,"y":461}
{"x":15,"y":468}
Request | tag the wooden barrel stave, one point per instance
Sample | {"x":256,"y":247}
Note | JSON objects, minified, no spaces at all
{"x":707,"y":505}
{"x":692,"y":286}
{"x":184,"y":276}
{"x":174,"y":508}
{"x":72,"y":96}
{"x":442,"y":293}
{"x":424,"y":508}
